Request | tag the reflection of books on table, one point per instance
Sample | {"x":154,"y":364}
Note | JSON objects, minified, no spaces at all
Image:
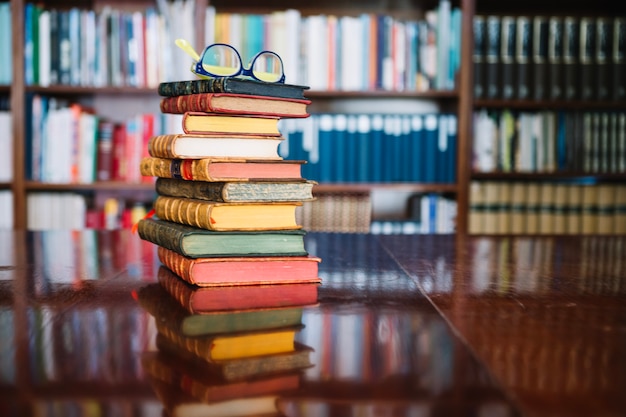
{"x":196,"y":299}
{"x":251,"y":270}
{"x":195,"y":242}
{"x":167,"y":311}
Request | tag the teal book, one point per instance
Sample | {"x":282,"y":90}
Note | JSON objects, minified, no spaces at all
{"x":194,"y":242}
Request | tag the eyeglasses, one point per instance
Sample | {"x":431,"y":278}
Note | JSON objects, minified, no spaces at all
{"x":222,"y":60}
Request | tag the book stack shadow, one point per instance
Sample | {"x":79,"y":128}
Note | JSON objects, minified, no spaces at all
{"x":235,"y":274}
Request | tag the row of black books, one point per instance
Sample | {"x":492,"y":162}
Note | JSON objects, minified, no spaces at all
{"x":550,"y":57}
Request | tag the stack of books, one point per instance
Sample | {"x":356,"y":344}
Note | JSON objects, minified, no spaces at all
{"x":221,"y":351}
{"x":226,"y":200}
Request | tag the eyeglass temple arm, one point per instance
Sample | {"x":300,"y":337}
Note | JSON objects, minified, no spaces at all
{"x":186,"y":46}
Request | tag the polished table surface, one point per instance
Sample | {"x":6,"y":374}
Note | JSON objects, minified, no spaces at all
{"x":425,"y":325}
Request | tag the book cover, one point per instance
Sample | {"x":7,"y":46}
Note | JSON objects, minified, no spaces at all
{"x":223,"y":169}
{"x":198,"y":300}
{"x":232,"y":85}
{"x":555,"y":58}
{"x":194,"y":242}
{"x":571,"y":53}
{"x":540,"y":57}
{"x":492,"y":57}
{"x":235,"y":103}
{"x":523,"y":55}
{"x":198,"y":146}
{"x":215,"y":123}
{"x":587,"y":56}
{"x":166,"y":310}
{"x":507,"y":57}
{"x":228,"y":216}
{"x":249,"y":270}
{"x":237,"y":191}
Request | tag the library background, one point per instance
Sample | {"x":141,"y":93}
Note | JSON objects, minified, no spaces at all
{"x":427,"y":116}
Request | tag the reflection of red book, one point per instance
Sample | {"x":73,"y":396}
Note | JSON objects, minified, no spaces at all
{"x":252,"y":270}
{"x":197,"y":300}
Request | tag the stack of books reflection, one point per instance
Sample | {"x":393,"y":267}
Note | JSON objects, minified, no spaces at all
{"x":224,"y":350}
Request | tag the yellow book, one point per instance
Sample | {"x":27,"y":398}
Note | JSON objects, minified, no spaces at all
{"x":560,"y":208}
{"x":518,"y":207}
{"x":606,"y":208}
{"x":228,"y":216}
{"x":589,"y":209}
{"x":574,"y":207}
{"x":476,"y":207}
{"x":532,"y":208}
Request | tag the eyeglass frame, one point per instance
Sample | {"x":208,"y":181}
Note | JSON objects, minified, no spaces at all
{"x":199,"y":70}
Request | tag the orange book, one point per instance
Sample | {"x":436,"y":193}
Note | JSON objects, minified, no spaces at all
{"x":228,"y":216}
{"x":197,"y":300}
{"x":222,"y":169}
{"x":250,"y":270}
{"x":235,"y":103}
{"x":215,"y":123}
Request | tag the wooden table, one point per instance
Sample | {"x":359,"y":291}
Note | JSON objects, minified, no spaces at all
{"x":404,"y":326}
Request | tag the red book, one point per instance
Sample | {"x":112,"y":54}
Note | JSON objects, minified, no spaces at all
{"x":235,"y":103}
{"x":252,"y":270}
{"x":105,"y":151}
{"x":119,"y":153}
{"x":198,"y":300}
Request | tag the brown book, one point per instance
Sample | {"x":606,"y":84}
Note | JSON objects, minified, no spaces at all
{"x":477,"y":208}
{"x":532,"y":208}
{"x":560,"y":208}
{"x":606,"y":208}
{"x":239,"y":191}
{"x":231,"y":85}
{"x":228,"y":216}
{"x":198,"y":146}
{"x":589,"y":209}
{"x":518,"y":207}
{"x":235,"y":103}
{"x":215,"y":123}
{"x":546,"y":208}
{"x":503,"y":216}
{"x":250,"y":270}
{"x":573,"y":214}
{"x":222,"y":169}
{"x":197,"y":300}
{"x":619,"y":215}
{"x":104,"y":156}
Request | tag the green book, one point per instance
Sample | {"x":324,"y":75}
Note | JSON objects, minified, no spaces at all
{"x":195,"y":242}
{"x":168,"y":312}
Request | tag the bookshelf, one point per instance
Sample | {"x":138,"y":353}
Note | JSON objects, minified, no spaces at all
{"x":445,"y":100}
{"x":576,"y":162}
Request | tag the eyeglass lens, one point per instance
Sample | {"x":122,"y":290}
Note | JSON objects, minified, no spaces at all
{"x":224,"y":61}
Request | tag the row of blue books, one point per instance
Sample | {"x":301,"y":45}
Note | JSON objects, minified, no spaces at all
{"x":373,"y":148}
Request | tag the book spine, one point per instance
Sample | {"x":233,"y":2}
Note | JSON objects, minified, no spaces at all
{"x":571,"y":53}
{"x":162,"y":146}
{"x":478,"y":56}
{"x":507,"y":57}
{"x":619,"y":58}
{"x":211,"y":191}
{"x":555,"y":58}
{"x":492,"y":57}
{"x":179,"y":210}
{"x":522,"y":57}
{"x":178,"y":290}
{"x":540,"y":57}
{"x":587,"y":58}
{"x":160,"y":234}
{"x":603,"y":55}
{"x":178,"y":264}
